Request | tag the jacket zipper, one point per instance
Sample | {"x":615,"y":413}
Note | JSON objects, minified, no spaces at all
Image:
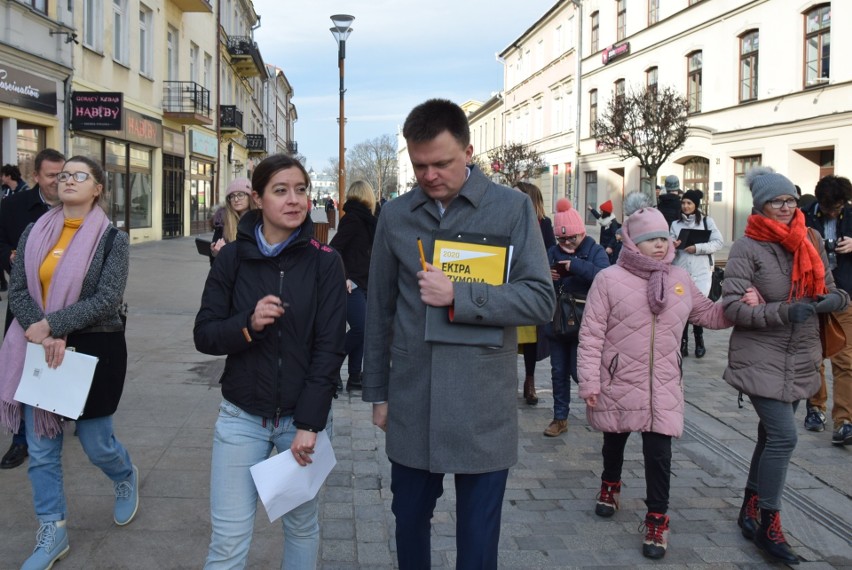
{"x":280,"y":363}
{"x":651,"y":368}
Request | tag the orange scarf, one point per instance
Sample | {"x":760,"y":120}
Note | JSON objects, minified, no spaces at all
{"x":808,"y":279}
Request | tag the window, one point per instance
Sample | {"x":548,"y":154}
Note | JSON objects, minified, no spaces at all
{"x":696,"y":176}
{"x":556,"y":111}
{"x":93,"y":31}
{"x":748,"y":65}
{"x":172,"y":54}
{"x":817,"y":45}
{"x":595,"y":29}
{"x":621,"y":20}
{"x":558,"y":35}
{"x":693,"y":82}
{"x":208,"y":70}
{"x":538,"y":119}
{"x":651,"y":76}
{"x":591,"y":195}
{"x":569,"y":42}
{"x":120,"y":31}
{"x":742,"y":195}
{"x":40,"y":5}
{"x":593,"y":111}
{"x":145,"y":43}
{"x":619,"y":90}
{"x":193,"y":62}
{"x":653,"y":12}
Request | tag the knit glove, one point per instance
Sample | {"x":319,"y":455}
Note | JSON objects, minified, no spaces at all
{"x":800,"y":312}
{"x":829,"y":303}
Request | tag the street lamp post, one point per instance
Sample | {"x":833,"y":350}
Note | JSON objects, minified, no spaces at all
{"x":341,"y":30}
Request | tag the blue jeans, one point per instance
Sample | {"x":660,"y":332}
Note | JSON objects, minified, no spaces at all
{"x":479,"y":504}
{"x":356,"y":315}
{"x":776,"y":440}
{"x":45,"y":467}
{"x":240,"y":441}
{"x":563,"y":367}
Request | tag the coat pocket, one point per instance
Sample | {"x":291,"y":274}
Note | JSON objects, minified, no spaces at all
{"x":613,"y":366}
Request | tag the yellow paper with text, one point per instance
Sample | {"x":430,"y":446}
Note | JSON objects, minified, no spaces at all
{"x":471,"y":262}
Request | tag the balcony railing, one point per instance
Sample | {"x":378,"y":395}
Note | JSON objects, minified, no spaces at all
{"x":292,"y":147}
{"x":187,"y":101}
{"x":245,"y":56}
{"x":256,"y":143}
{"x":230,"y":118}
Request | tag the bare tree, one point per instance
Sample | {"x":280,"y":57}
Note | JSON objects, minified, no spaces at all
{"x":375,"y":161}
{"x":647,"y":124}
{"x":515,"y":162}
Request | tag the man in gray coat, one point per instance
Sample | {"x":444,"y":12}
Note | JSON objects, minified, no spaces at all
{"x":449,"y":407}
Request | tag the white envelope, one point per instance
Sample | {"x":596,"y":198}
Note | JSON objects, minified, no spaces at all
{"x":283,"y":484}
{"x":63,"y":390}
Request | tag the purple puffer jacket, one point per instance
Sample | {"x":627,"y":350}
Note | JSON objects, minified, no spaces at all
{"x":630,"y":358}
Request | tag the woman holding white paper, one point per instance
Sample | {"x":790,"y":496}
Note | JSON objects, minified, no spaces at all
{"x":275,"y":304}
{"x":66,"y":290}
{"x":696,"y":259}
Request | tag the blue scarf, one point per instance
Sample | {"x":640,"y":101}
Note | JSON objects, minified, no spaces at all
{"x":272,"y":250}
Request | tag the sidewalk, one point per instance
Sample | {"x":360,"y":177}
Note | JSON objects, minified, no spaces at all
{"x":170,"y":404}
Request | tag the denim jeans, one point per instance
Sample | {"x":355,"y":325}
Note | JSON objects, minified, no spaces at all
{"x":45,"y":467}
{"x":776,"y":440}
{"x":356,"y":315}
{"x":240,"y":441}
{"x":563,"y":367}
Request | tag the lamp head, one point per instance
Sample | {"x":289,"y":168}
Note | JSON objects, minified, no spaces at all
{"x":342,"y":26}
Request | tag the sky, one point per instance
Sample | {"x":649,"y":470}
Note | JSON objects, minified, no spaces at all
{"x":400,"y":53}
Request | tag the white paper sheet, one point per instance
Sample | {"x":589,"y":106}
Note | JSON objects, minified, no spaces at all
{"x":62,"y":390}
{"x":283,"y":484}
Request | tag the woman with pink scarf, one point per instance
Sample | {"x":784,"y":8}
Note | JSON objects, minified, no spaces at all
{"x":65,"y":291}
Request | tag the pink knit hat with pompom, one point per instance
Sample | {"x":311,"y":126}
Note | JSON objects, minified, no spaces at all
{"x":567,"y":222}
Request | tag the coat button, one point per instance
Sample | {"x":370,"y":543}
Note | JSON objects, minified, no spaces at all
{"x":480,"y":300}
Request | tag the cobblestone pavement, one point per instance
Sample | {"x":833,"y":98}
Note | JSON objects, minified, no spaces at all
{"x":169,"y":408}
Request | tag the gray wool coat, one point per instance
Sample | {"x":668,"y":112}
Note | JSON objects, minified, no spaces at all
{"x":452,"y":408}
{"x":769,"y":356}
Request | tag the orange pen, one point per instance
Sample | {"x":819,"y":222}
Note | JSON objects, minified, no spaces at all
{"x":422,"y":255}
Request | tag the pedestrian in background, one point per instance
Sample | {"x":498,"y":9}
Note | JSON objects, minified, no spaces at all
{"x":275,"y":304}
{"x":630,"y":372}
{"x":574,"y":261}
{"x":669,"y":202}
{"x":608,"y":224}
{"x":449,"y":407}
{"x":697,"y":259}
{"x":532,"y":340}
{"x":16,"y":213}
{"x":775,"y":351}
{"x":67,"y":287}
{"x":238,"y":201}
{"x":354,"y":242}
{"x":831,"y":216}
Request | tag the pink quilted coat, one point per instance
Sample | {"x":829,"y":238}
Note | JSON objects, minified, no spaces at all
{"x":630,"y":358}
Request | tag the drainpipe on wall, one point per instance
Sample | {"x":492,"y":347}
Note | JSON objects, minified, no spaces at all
{"x":578,"y":98}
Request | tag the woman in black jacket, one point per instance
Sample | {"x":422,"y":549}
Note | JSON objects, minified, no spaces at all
{"x":354,"y":242}
{"x":275,"y":304}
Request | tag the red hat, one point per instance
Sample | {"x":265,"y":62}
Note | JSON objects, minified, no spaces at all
{"x":607,"y":207}
{"x":567,"y":222}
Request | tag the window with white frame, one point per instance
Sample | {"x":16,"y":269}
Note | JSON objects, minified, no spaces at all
{"x":651,"y":77}
{"x":556,"y":110}
{"x":693,"y":82}
{"x":653,"y":12}
{"x":40,"y":5}
{"x":538,"y":119}
{"x":596,"y":25}
{"x":748,"y":65}
{"x":593,"y":111}
{"x":193,"y":62}
{"x":172,"y":54}
{"x":569,"y":33}
{"x":620,"y":20}
{"x":145,"y":40}
{"x":120,"y":31}
{"x":817,"y":45}
{"x":208,"y":70}
{"x":93,"y":28}
{"x":558,"y":47}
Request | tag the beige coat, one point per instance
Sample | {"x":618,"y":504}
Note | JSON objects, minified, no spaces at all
{"x":769,"y":356}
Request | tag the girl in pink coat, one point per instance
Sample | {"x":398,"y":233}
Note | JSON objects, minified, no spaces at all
{"x":630,"y":364}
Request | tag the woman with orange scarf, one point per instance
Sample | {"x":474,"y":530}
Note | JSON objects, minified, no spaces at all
{"x":775,"y":350}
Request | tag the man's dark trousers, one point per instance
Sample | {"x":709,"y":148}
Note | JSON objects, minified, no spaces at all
{"x":479,"y":503}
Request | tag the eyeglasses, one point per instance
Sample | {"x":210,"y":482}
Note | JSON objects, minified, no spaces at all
{"x":778,"y":203}
{"x":563,"y":239}
{"x":237,"y":196}
{"x":77,"y":176}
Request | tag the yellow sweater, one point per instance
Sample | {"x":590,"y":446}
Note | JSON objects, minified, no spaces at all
{"x":48,"y":266}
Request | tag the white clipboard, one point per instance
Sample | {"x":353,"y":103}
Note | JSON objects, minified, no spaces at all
{"x":63,"y":390}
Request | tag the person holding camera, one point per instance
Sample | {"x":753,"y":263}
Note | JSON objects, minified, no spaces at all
{"x":831,"y":216}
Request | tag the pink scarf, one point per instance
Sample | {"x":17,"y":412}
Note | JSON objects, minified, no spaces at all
{"x":656,"y":272}
{"x":65,"y":287}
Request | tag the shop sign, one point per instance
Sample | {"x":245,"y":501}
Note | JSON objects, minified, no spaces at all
{"x":95,"y":111}
{"x":615,"y":51}
{"x":143,"y":129}
{"x":199,"y":143}
{"x":173,"y":142}
{"x":26,"y":90}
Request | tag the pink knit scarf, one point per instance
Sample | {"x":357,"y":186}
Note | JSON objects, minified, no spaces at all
{"x":656,"y":272}
{"x":65,"y":287}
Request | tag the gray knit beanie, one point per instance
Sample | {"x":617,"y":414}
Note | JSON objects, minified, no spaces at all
{"x":766,"y":184}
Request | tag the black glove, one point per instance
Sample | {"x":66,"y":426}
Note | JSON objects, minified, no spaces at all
{"x":829,"y":303}
{"x":800,"y":312}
